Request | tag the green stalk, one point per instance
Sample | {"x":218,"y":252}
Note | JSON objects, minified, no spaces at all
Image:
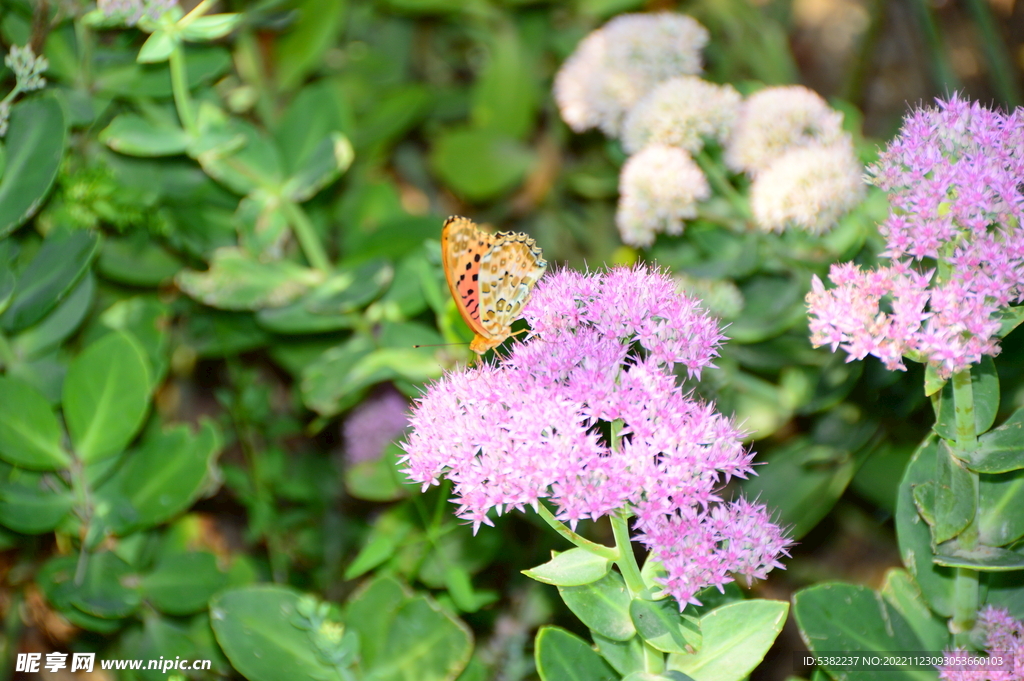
{"x":558,"y":526}
{"x":306,"y":234}
{"x":721,"y":184}
{"x":942,"y":71}
{"x":182,"y":96}
{"x":966,"y":597}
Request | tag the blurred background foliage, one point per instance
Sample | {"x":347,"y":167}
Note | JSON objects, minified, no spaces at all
{"x":249,"y":292}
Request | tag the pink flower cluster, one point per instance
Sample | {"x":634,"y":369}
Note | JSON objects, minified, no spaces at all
{"x":603,"y":349}
{"x":955,"y":177}
{"x":1004,"y":637}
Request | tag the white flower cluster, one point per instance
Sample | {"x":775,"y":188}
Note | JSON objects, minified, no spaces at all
{"x":681,"y":112}
{"x":620,"y":62}
{"x":658,"y":189}
{"x":804,"y":170}
{"x":634,"y":79}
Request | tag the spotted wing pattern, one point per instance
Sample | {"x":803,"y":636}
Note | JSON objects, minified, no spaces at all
{"x":490,"y":277}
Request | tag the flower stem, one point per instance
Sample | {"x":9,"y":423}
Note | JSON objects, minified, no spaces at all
{"x":582,"y":542}
{"x":182,"y":96}
{"x":722,"y":185}
{"x":966,"y":595}
{"x":654,"y":661}
{"x":306,"y":234}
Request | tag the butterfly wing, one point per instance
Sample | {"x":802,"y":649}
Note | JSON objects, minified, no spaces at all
{"x":508,"y":272}
{"x":463,"y":246}
{"x":490,"y":277}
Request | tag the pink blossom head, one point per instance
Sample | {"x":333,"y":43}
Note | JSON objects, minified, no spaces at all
{"x":953,"y":236}
{"x":604,"y":347}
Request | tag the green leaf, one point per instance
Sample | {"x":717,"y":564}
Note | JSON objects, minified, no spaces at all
{"x":60,"y":323}
{"x":902,"y":593}
{"x":300,"y":51}
{"x":803,"y":482}
{"x":255,"y":628}
{"x":665,"y":628}
{"x":158,"y":47}
{"x":210,"y":27}
{"x":203,"y":63}
{"x":236,"y":281}
{"x":423,"y":642}
{"x":109,"y":589}
{"x":262,"y":225}
{"x":159,"y":479}
{"x":602,"y":606}
{"x":854,"y":619}
{"x":134,"y":135}
{"x":182,"y":583}
{"x":392,"y":115}
{"x":317,"y":110}
{"x":328,"y":160}
{"x":369,"y":613}
{"x":32,"y":503}
{"x":564,"y":656}
{"x":574,"y":567}
{"x":49,"y":277}
{"x":1001,"y":497}
{"x":30,"y":435}
{"x":377,"y":480}
{"x":35,"y":146}
{"x":626,"y":657}
{"x":955,"y":495}
{"x":505,"y":93}
{"x":736,"y":637}
{"x":57,"y":580}
{"x":146,"y":318}
{"x":914,"y":535}
{"x":980,"y":557}
{"x":773,"y":304}
{"x":106,"y":396}
{"x":136,"y":261}
{"x":351,"y":288}
{"x":1001,"y":449}
{"x":254,"y":165}
{"x":985,"y":384}
{"x":479,"y":165}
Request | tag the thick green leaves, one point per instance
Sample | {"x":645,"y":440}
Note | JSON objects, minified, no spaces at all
{"x":60,"y":323}
{"x":479,"y":164}
{"x":32,"y":503}
{"x":837,"y":617}
{"x":106,"y":396}
{"x":736,"y":637}
{"x":903,"y":594}
{"x":602,"y":605}
{"x":505,"y":94}
{"x":136,"y":260}
{"x":1000,"y":521}
{"x":564,"y":656}
{"x":574,"y":567}
{"x":134,"y":135}
{"x":182,"y":583}
{"x":255,"y":627}
{"x":210,"y":27}
{"x":406,"y":637}
{"x":914,"y":535}
{"x":35,"y":146}
{"x":57,"y":581}
{"x":326,"y":162}
{"x":160,"y":479}
{"x":109,"y":589}
{"x":1001,"y":449}
{"x":301,"y":49}
{"x":237,"y":281}
{"x":665,"y":628}
{"x":49,"y":277}
{"x":955,"y":496}
{"x":30,"y":435}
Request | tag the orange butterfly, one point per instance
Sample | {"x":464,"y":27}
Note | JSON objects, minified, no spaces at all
{"x":490,"y":277}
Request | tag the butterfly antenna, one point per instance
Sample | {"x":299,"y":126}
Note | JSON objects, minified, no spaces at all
{"x":440,"y":345}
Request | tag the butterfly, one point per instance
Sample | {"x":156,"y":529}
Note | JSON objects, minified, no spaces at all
{"x":490,"y":276}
